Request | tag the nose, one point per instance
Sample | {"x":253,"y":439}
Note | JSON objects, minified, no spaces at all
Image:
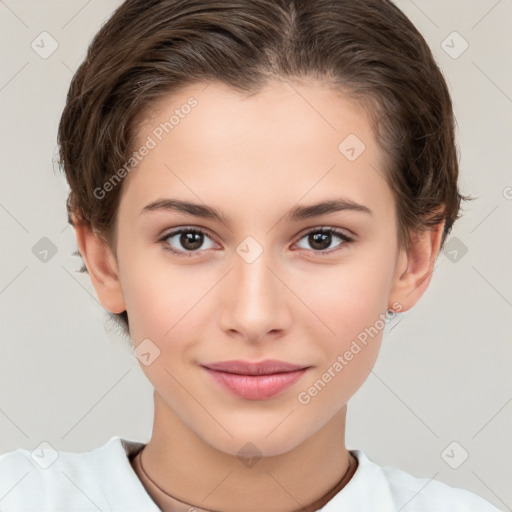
{"x":256,"y":301}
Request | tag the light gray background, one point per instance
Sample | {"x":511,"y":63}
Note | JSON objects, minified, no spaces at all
{"x":444,"y":370}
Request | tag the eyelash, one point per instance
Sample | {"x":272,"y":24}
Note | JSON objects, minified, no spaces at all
{"x":331,"y":231}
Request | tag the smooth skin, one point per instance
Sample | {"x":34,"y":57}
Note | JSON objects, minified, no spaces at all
{"x":254,"y":158}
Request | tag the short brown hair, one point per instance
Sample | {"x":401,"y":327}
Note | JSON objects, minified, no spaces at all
{"x":366,"y":48}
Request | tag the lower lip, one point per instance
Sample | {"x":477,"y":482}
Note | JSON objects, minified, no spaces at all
{"x":256,"y":387}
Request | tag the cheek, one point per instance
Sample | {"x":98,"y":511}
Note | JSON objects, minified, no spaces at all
{"x":354,"y":310}
{"x":162,"y":304}
{"x":351,"y":302}
{"x":349,"y":297}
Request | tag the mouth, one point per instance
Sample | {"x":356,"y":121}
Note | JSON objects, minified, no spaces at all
{"x":255,"y":381}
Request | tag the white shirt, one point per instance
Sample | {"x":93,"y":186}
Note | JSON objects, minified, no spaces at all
{"x":104,"y":480}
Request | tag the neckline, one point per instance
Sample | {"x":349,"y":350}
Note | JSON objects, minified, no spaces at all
{"x":169,"y":503}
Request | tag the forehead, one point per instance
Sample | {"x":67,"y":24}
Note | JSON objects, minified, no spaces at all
{"x":286,"y":141}
{"x":222,"y":115}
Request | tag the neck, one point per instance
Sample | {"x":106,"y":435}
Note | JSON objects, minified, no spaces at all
{"x":192,"y":471}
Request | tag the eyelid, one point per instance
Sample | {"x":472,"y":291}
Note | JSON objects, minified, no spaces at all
{"x":173,"y":231}
{"x":326,"y":227}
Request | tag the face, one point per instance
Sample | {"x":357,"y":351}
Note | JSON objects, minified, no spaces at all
{"x":269,"y":279}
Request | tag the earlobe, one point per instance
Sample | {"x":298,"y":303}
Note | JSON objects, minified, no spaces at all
{"x":415,"y":267}
{"x":102,"y":267}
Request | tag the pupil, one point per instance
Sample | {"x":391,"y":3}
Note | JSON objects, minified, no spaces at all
{"x":320,"y":239}
{"x":191,"y":240}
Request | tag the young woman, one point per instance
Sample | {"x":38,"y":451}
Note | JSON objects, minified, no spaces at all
{"x":257,"y":188}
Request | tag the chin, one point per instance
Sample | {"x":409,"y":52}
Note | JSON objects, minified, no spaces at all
{"x":257,"y":438}
{"x":251,"y":446}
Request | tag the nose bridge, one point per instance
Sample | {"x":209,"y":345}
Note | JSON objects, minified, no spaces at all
{"x":256,"y":304}
{"x":255,"y":282}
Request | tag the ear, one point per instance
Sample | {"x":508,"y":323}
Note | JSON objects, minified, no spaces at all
{"x":415,"y":267}
{"x":102,"y":267}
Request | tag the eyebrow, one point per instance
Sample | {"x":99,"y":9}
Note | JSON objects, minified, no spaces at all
{"x":297,"y":213}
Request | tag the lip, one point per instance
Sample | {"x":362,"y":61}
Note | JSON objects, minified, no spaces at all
{"x":255,"y":380}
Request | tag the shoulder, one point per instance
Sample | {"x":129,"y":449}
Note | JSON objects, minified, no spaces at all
{"x":46,"y":479}
{"x":408,"y":493}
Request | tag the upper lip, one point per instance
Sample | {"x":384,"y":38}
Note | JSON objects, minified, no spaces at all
{"x":267,"y":367}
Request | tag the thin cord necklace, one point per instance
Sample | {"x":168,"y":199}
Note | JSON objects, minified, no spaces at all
{"x":313,"y":507}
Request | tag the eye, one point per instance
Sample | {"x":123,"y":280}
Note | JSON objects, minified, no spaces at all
{"x":190,"y":239}
{"x":321,"y":239}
